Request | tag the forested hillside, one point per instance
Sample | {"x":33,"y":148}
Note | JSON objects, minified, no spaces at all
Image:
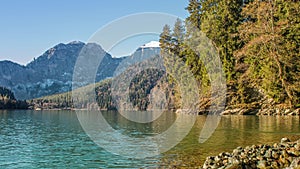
{"x":258,"y":43}
{"x":139,"y":91}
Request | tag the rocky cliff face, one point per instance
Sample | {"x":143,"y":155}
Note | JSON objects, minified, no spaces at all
{"x":52,"y":72}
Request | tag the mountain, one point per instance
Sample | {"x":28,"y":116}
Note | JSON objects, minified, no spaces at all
{"x":11,"y":73}
{"x":146,"y":51}
{"x":52,"y":72}
{"x":141,"y":54}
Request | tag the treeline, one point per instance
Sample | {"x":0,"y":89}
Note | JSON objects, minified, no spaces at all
{"x":80,"y":98}
{"x":8,"y":100}
{"x":139,"y":90}
{"x":258,"y":42}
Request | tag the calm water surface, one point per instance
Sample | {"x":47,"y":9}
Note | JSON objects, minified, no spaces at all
{"x":55,"y":139}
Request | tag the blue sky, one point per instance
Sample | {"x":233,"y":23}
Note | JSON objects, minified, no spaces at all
{"x":30,"y":27}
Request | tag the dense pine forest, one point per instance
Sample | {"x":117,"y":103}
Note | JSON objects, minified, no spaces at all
{"x":258,"y":43}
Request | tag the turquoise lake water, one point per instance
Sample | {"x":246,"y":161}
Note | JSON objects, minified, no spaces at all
{"x":55,"y":139}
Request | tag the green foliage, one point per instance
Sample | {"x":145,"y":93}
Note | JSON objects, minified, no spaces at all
{"x":6,"y":93}
{"x":8,"y":101}
{"x":141,"y":86}
{"x":195,"y":13}
{"x":165,"y":38}
{"x":258,"y":43}
{"x":178,"y":33}
{"x":219,"y":21}
{"x":271,"y":36}
{"x":104,"y":97}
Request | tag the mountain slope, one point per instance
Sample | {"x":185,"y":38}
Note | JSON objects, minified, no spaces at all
{"x":52,"y":72}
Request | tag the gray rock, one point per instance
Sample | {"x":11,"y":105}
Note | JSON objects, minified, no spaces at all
{"x":280,"y":155}
{"x":268,"y":154}
{"x":262,"y":164}
{"x":284,"y":140}
{"x":274,"y":164}
{"x":275,"y":155}
{"x":236,"y":152}
{"x":297,"y":145}
{"x":295,"y":163}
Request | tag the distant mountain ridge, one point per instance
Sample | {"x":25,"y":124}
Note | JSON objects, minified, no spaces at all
{"x":52,"y":72}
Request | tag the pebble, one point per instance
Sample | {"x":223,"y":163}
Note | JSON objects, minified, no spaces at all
{"x":284,"y":140}
{"x":285,"y":154}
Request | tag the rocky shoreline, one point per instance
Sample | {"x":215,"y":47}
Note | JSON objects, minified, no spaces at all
{"x":285,"y":154}
{"x":263,"y":112}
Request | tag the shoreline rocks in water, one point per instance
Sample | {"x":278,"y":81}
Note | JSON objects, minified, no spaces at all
{"x":245,"y":111}
{"x":285,"y":154}
{"x":262,"y":112}
{"x":279,"y":112}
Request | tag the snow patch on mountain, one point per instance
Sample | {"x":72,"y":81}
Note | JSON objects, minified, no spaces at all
{"x":152,"y":44}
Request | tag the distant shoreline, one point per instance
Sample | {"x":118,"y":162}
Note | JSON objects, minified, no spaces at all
{"x":239,"y":112}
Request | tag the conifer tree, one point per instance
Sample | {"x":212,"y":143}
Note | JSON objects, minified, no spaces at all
{"x":272,"y":48}
{"x":219,"y":21}
{"x":165,"y":38}
{"x":195,"y":13}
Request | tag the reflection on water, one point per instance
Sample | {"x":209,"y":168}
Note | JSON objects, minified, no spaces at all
{"x":53,"y":139}
{"x":233,"y":131}
{"x":157,"y":126}
{"x":135,"y":140}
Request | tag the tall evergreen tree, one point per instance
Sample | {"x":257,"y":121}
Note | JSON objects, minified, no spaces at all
{"x":178,"y":31}
{"x":177,"y":38}
{"x":272,"y":48}
{"x":167,"y":47}
{"x":219,"y":21}
{"x":195,"y":13}
{"x":165,"y":38}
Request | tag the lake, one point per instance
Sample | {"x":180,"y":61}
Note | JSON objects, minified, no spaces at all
{"x":55,"y":139}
